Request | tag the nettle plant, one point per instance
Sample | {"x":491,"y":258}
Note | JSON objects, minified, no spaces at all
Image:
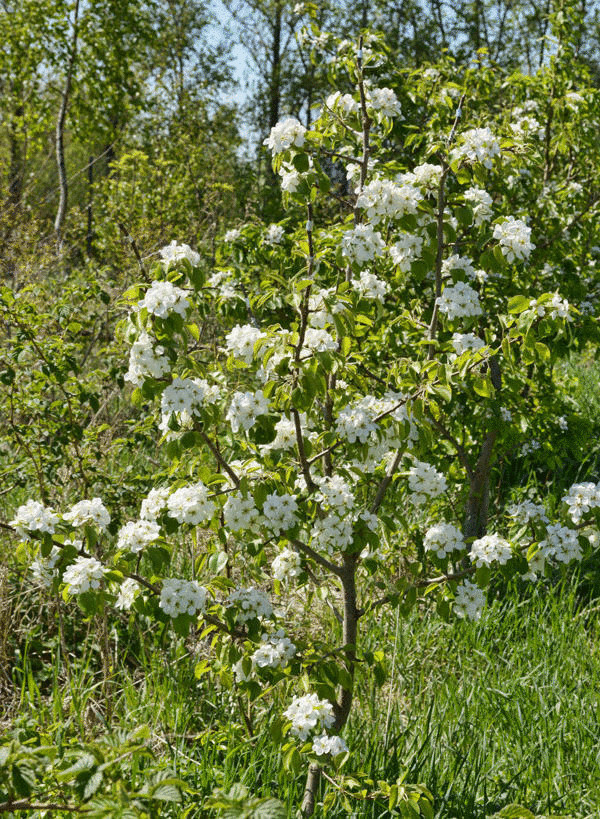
{"x":334,"y":395}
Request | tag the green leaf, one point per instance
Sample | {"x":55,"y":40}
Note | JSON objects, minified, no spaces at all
{"x":167,"y":793}
{"x":518,"y":304}
{"x":92,"y":785}
{"x":483,"y":387}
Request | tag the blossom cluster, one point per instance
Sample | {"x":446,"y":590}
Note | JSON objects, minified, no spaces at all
{"x":369,"y":286}
{"x":332,"y":745}
{"x":286,"y":564}
{"x":557,"y":307}
{"x":89,"y":511}
{"x":240,"y":513}
{"x":581,"y":498}
{"x":515,"y":239}
{"x":560,"y":544}
{"x":33,"y":516}
{"x":241,"y":340}
{"x":127,"y":593}
{"x":458,"y":301}
{"x":490,"y":549}
{"x":162,"y":298}
{"x":308,"y":713}
{"x":289,"y":133}
{"x":280,"y":511}
{"x":481,"y":202}
{"x":173,"y":253}
{"x":85,"y":574}
{"x":146,"y":360}
{"x":275,"y":651}
{"x":425,"y":482}
{"x":406,"y":250}
{"x":183,"y":395}
{"x":191,"y":504}
{"x":245,"y":408}
{"x":478,"y":145}
{"x":136,"y":535}
{"x":469,"y":600}
{"x":383,"y":199}
{"x":362,"y":244}
{"x":443,"y":539}
{"x":182,"y":597}
{"x":249,"y":604}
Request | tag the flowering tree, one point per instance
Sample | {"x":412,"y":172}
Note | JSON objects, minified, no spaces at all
{"x":336,"y":394}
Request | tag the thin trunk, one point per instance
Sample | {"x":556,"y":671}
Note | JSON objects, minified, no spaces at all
{"x":476,"y":512}
{"x":89,"y":239}
{"x":275,"y":79}
{"x":60,"y":135}
{"x":344,"y":703}
{"x":15,"y":173}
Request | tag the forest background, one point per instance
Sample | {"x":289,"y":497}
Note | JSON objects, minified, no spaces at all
{"x":125,"y":124}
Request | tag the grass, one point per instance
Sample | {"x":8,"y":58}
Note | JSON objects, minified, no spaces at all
{"x":505,"y":710}
{"x":485,"y":714}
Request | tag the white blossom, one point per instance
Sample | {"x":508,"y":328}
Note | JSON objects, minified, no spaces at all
{"x":384,"y":101}
{"x":458,"y":301}
{"x":276,"y":651}
{"x":424,"y":482}
{"x":135,"y":535}
{"x":370,"y":286}
{"x":478,"y":145}
{"x":240,"y":513}
{"x":515,"y":239}
{"x":481,"y":203}
{"x":443,"y":539}
{"x":308,"y":713}
{"x":191,"y":504}
{"x":245,"y":408}
{"x":85,"y":574}
{"x":127,"y":594}
{"x":581,"y":498}
{"x":560,"y":544}
{"x":241,"y":340}
{"x":89,"y":511}
{"x":44,"y":569}
{"x":33,"y":516}
{"x":280,"y":511}
{"x":469,"y":600}
{"x":154,"y":503}
{"x":319,"y":341}
{"x":343,"y":104}
{"x":362,"y":244}
{"x":274,"y":234}
{"x":163,"y":298}
{"x":490,"y":549}
{"x":182,"y":597}
{"x":332,"y":745}
{"x":406,"y":250}
{"x":289,"y":133}
{"x":183,"y":395}
{"x":286,"y":565}
{"x":383,"y":198}
{"x":146,"y":360}
{"x":463,"y":342}
{"x":250,"y":604}
{"x":173,"y":253}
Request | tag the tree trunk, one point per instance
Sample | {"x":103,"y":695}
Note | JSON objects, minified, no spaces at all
{"x":476,"y":512}
{"x":60,"y":135}
{"x":275,"y":79}
{"x":344,"y":703}
{"x":15,"y":173}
